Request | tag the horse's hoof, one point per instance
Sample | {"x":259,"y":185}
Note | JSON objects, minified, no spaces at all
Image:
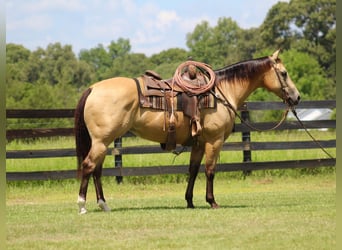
{"x":82,"y":210}
{"x":214,"y":206}
{"x":190,"y":205}
{"x":103,"y":205}
{"x":81,"y":205}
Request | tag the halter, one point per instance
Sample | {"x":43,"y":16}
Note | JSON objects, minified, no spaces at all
{"x":283,"y":86}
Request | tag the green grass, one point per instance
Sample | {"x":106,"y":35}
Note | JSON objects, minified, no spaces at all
{"x":256,"y":213}
{"x":271,"y":209}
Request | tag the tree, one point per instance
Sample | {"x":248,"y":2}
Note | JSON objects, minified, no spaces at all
{"x":130,"y":65}
{"x":98,"y":58}
{"x":169,"y":56}
{"x":58,"y":64}
{"x":16,"y":58}
{"x":16,"y":53}
{"x":167,"y":61}
{"x":225,"y":40}
{"x":200,"y":43}
{"x":306,"y":25}
{"x":223,"y":44}
{"x":120,"y":48}
{"x":276,"y":30}
{"x":44,"y":78}
{"x":304,"y":29}
{"x":101,"y":58}
{"x":316,"y":23}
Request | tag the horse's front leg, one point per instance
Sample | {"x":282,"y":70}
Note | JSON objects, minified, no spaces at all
{"x":212,"y":151}
{"x":197,"y":152}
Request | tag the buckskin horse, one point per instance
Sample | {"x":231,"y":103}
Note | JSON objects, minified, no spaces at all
{"x":110,"y":108}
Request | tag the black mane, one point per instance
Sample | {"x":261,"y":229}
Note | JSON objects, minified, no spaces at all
{"x":244,"y":69}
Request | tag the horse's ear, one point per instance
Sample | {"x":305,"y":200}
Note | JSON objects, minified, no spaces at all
{"x":275,"y":55}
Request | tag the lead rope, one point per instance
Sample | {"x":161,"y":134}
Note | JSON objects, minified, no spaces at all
{"x":307,"y":131}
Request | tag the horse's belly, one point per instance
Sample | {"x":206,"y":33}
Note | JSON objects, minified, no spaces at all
{"x":153,"y":126}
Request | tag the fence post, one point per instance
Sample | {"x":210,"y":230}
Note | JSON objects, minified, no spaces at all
{"x":118,"y":158}
{"x":246,"y":138}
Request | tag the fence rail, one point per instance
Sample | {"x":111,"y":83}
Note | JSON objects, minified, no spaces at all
{"x":246,"y":145}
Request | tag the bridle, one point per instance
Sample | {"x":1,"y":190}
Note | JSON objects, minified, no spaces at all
{"x":281,"y":76}
{"x":286,"y":100}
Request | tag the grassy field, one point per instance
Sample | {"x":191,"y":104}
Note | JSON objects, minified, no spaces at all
{"x":271,"y":209}
{"x":255,"y":213}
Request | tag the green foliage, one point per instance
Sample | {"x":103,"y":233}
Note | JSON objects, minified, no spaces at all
{"x":130,"y":65}
{"x":44,"y":78}
{"x":307,"y":74}
{"x":169,"y":56}
{"x":306,"y":25}
{"x":167,"y":70}
{"x":224,"y":44}
{"x":305,"y":30}
{"x":98,"y":58}
{"x":101,"y":59}
{"x":167,"y":61}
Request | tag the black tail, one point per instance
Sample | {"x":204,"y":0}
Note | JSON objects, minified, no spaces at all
{"x":82,"y":137}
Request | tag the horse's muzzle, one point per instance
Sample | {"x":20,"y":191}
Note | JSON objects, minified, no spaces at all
{"x":292,"y":101}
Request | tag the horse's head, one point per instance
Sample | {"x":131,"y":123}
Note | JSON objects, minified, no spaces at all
{"x":279,"y":82}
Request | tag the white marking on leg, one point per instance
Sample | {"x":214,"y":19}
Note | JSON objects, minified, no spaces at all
{"x":81,"y":205}
{"x":103,"y":205}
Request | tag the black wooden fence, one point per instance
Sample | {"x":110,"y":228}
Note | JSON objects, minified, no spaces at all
{"x":246,"y":145}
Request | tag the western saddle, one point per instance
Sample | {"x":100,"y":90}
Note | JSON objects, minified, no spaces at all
{"x":191,"y":81}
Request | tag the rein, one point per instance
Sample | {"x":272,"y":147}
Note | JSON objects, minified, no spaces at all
{"x":307,"y":131}
{"x":230,"y":106}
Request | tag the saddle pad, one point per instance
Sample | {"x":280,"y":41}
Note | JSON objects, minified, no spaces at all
{"x":157,"y":102}
{"x":206,"y":100}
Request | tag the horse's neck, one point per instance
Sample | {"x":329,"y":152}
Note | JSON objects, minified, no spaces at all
{"x":238,"y":91}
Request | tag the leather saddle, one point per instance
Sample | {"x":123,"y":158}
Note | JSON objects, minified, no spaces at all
{"x":155,"y":84}
{"x":151,"y":84}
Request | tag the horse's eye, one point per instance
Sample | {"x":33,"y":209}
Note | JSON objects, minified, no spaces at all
{"x":284,"y":74}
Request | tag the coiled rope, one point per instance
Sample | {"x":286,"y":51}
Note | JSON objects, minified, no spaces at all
{"x":188,"y":86}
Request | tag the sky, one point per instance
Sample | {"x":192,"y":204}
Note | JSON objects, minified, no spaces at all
{"x":150,"y":25}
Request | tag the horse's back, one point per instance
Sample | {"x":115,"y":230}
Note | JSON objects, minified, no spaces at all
{"x":114,"y":91}
{"x":115,"y":84}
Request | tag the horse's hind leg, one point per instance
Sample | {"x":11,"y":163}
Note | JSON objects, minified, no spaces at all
{"x":92,"y":164}
{"x":101,"y":201}
{"x":82,"y":196}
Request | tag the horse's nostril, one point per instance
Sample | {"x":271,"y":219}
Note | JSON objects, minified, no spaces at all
{"x":294,"y":101}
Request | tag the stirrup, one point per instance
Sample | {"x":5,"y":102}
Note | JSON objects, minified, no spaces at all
{"x":196,"y":127}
